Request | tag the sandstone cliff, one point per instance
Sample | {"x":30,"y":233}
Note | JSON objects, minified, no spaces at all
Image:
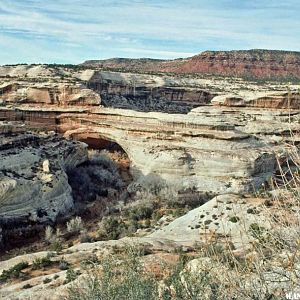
{"x":59,"y":94}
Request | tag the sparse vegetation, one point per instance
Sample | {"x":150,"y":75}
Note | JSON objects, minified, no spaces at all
{"x":40,"y":263}
{"x":14,"y":272}
{"x":71,"y":275}
{"x":75,"y":225}
{"x":266,"y":268}
{"x":47,"y":280}
{"x":56,"y":246}
{"x":234,"y":219}
{"x":63,"y":265}
{"x":126,"y":281}
{"x":49,"y":234}
{"x":93,"y":179}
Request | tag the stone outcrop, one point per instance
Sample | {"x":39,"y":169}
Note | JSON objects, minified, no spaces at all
{"x":224,"y":145}
{"x":147,"y":92}
{"x":141,"y":92}
{"x":29,"y":71}
{"x":33,"y":182}
{"x":223,"y":216}
{"x":139,"y":65}
{"x":281,"y":100}
{"x":58,"y":94}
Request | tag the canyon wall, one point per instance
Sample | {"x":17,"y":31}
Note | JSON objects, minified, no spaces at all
{"x":33,"y":181}
{"x":226,"y":141}
{"x":212,"y":150}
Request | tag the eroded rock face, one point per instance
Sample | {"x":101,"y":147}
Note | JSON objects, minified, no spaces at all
{"x":58,"y":94}
{"x":215,"y":149}
{"x":256,"y":63}
{"x":212,"y":150}
{"x":277,"y":100}
{"x":33,"y":182}
{"x":227,"y":147}
{"x":147,"y":92}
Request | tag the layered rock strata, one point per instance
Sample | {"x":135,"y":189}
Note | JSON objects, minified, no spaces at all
{"x":226,"y":144}
{"x":147,"y":93}
{"x":213,"y":150}
{"x":255,"y":63}
{"x":33,"y":182}
{"x":57,"y":94}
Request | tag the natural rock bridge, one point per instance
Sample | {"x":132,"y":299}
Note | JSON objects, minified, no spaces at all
{"x":212,"y":150}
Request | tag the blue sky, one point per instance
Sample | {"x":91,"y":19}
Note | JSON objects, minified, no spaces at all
{"x":71,"y":31}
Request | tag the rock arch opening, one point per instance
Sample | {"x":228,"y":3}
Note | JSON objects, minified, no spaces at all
{"x":96,"y":142}
{"x":100,"y":182}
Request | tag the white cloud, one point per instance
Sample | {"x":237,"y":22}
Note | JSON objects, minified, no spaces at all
{"x":121,"y":27}
{"x":158,"y":53}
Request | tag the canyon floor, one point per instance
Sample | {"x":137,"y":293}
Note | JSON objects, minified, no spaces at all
{"x":149,"y":185}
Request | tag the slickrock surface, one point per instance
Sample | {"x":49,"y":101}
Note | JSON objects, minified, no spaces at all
{"x":228,"y":217}
{"x":224,"y":216}
{"x":33,"y":182}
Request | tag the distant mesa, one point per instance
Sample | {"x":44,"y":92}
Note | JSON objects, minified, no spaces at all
{"x":244,"y":63}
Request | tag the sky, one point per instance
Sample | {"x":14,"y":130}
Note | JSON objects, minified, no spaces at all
{"x":72,"y":31}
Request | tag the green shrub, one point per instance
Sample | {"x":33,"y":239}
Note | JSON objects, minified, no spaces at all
{"x":13,"y":272}
{"x":75,"y":225}
{"x":47,"y":280}
{"x":112,"y":228}
{"x":256,"y":231}
{"x":43,"y":262}
{"x":141,"y":211}
{"x":63,"y":264}
{"x":56,"y":246}
{"x":71,"y":275}
{"x":234,"y":219}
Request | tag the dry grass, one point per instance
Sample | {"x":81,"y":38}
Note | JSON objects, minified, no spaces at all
{"x":266,"y":268}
